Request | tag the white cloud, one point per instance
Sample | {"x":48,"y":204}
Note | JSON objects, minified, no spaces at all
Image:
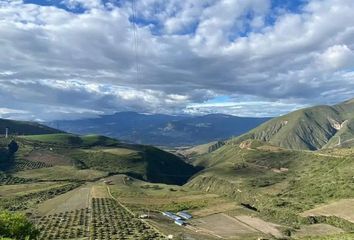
{"x":187,"y":52}
{"x":337,"y":57}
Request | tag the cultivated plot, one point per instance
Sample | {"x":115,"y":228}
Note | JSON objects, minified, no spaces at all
{"x":343,"y":209}
{"x":73,"y":200}
{"x":317,"y":230}
{"x":260,"y":225}
{"x":223,"y":226}
{"x":48,"y":157}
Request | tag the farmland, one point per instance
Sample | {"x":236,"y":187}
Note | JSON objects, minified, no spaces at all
{"x":58,"y":181}
{"x":72,"y":188}
{"x":343,"y":209}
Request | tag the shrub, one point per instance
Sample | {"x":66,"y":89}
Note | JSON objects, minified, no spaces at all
{"x":17,"y":226}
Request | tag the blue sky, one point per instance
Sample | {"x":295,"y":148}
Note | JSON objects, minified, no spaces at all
{"x":79,"y":58}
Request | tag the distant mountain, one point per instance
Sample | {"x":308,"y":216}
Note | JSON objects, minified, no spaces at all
{"x":24,"y":128}
{"x":159,"y":129}
{"x":309,"y":129}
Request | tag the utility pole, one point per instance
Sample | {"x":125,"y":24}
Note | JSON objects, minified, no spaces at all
{"x":6,"y":132}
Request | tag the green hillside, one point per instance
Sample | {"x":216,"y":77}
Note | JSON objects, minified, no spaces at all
{"x":309,"y":129}
{"x":24,"y":128}
{"x":72,"y":140}
{"x":96,"y":153}
{"x":280,"y":184}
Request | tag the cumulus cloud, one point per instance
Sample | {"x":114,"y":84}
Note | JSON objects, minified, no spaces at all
{"x":337,"y":57}
{"x":80,"y":58}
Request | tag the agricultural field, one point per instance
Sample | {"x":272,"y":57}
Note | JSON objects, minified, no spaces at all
{"x":343,"y":209}
{"x":89,"y":211}
{"x":224,"y":226}
{"x":317,"y":230}
{"x":48,"y":157}
{"x":212,"y":213}
{"x":75,"y":199}
{"x":6,"y":179}
{"x":74,"y":189}
{"x":61,"y":173}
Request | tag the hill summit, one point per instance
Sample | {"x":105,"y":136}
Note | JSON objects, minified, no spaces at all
{"x":309,"y":129}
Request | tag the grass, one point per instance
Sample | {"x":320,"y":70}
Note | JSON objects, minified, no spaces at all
{"x":146,"y":163}
{"x":248,"y":175}
{"x":31,"y":199}
{"x":22,"y":127}
{"x":346,"y":236}
{"x":23,"y":189}
{"x":72,"y":140}
{"x":159,"y":197}
{"x":108,"y":155}
{"x":308,"y":129}
{"x":61,"y":173}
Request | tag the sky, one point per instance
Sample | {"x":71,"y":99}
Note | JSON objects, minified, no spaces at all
{"x":68,"y":59}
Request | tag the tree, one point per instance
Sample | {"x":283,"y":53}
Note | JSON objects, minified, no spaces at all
{"x":13,"y":147}
{"x":17,"y":226}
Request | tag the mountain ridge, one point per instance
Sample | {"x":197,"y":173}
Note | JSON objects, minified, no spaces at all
{"x":162,"y":129}
{"x":25,"y":127}
{"x":311,"y":128}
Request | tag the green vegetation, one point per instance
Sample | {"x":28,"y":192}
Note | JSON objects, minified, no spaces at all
{"x":61,"y":173}
{"x":28,"y":200}
{"x":143,"y":162}
{"x":25,"y":128}
{"x":308,"y":129}
{"x":121,"y":224}
{"x":108,"y":155}
{"x":16,"y":226}
{"x":65,"y":225}
{"x":280,"y":184}
{"x":348,"y":236}
{"x":272,"y":183}
{"x":11,"y":180}
{"x":71,"y":140}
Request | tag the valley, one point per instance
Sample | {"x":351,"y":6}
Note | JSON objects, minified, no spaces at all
{"x":177,"y":120}
{"x":96,"y":187}
{"x":93,"y":187}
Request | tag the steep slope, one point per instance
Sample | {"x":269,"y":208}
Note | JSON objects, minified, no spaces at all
{"x":308,"y":129}
{"x":25,"y":128}
{"x":162,"y":130}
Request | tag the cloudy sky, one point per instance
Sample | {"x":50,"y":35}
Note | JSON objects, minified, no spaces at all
{"x":80,"y":58}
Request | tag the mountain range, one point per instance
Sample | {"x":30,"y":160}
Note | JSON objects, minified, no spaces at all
{"x":160,"y":129}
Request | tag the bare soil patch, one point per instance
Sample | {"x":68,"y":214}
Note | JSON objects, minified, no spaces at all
{"x":76,"y":199}
{"x":260,"y":225}
{"x":223,"y":226}
{"x":99,"y":191}
{"x":317,"y":230}
{"x":343,"y":209}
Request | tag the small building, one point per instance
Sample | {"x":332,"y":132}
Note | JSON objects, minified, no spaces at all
{"x":180,"y":222}
{"x":171,"y":216}
{"x":184,"y":215}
